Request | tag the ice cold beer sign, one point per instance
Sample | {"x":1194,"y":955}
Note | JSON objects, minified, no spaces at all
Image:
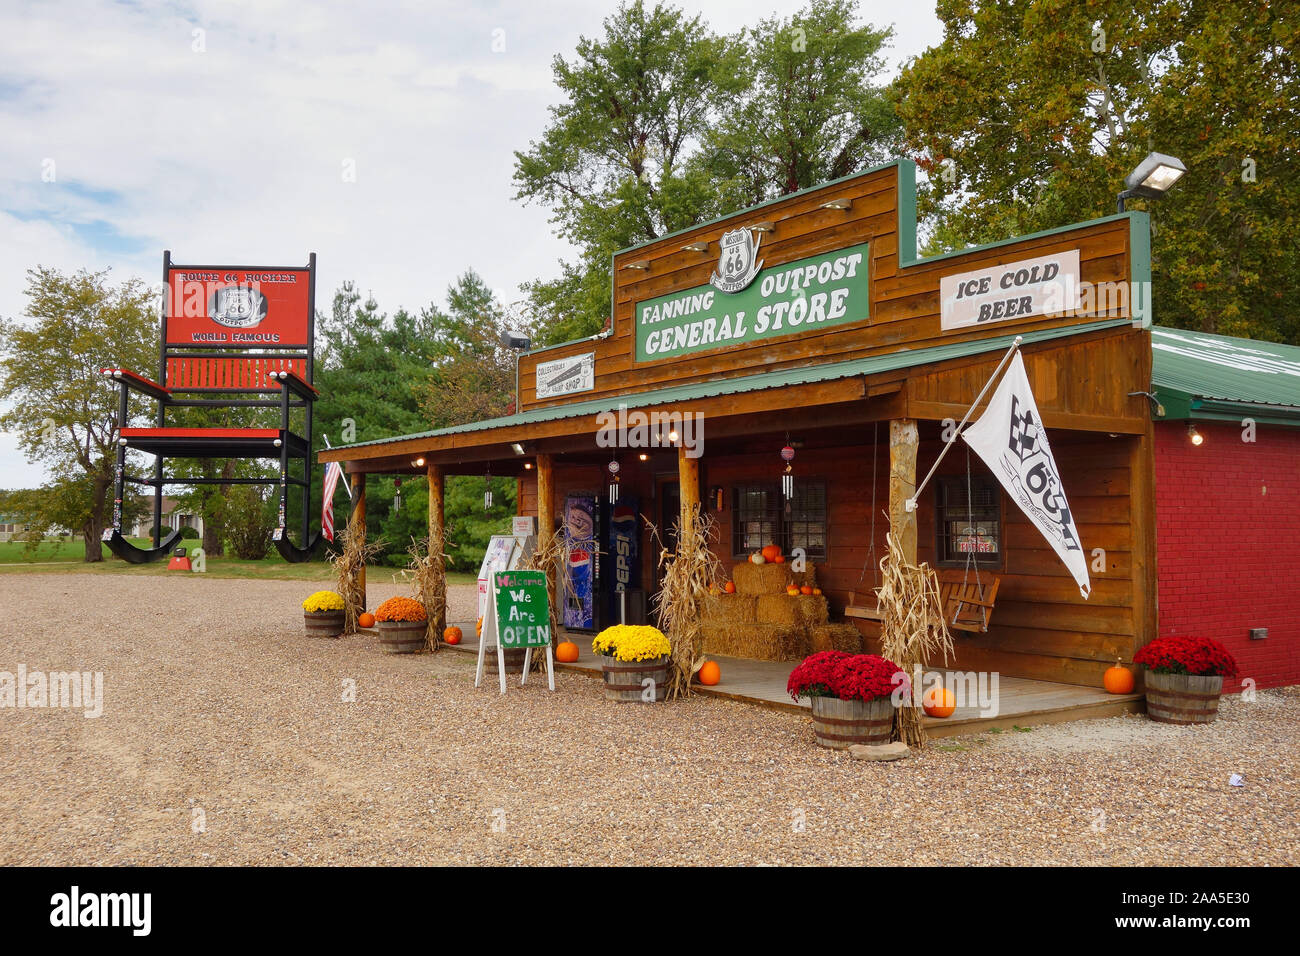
{"x":1031,"y":288}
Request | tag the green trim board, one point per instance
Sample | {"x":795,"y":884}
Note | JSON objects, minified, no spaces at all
{"x":888,"y":362}
{"x":1221,"y":377}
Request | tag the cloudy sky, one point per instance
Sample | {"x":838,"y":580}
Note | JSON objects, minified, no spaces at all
{"x":379,"y":135}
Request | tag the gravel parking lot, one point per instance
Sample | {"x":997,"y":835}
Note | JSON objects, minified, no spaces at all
{"x":225,"y":739}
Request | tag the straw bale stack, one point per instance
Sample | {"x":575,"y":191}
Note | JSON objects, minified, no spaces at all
{"x":760,"y":578}
{"x":836,"y":637}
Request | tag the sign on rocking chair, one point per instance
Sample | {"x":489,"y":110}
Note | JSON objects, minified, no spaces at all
{"x":518,"y":617}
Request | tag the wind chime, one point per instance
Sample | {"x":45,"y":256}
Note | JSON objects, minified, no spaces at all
{"x":613,"y":481}
{"x":397,"y":495}
{"x":787,"y":476}
{"x":487,"y":488}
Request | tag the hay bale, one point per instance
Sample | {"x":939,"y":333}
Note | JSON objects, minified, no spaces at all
{"x":760,"y":578}
{"x":759,"y":642}
{"x":836,"y":637}
{"x":780,"y":609}
{"x":807,"y":576}
{"x":730,"y":608}
{"x":813,"y":609}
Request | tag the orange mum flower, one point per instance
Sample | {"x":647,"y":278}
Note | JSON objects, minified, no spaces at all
{"x":401,"y":609}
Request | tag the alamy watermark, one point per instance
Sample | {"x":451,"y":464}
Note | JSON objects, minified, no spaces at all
{"x":69,"y":690}
{"x":638,"y":429}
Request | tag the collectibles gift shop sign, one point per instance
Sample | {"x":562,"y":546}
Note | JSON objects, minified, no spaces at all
{"x":253,"y":308}
{"x":744,"y":302}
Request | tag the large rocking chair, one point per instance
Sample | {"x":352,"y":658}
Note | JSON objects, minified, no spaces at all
{"x":225,"y":364}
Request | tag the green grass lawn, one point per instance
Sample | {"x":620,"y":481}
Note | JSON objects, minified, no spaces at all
{"x":67,"y":557}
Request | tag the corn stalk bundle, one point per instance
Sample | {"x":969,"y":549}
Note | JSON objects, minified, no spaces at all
{"x":354,"y":554}
{"x":913,"y":630}
{"x":428,"y":575}
{"x":688,"y":574}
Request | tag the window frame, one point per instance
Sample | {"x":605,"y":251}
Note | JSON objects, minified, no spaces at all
{"x":995,"y":561}
{"x":781,"y":524}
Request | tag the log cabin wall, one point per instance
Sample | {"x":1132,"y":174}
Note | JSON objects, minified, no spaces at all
{"x":904,"y":298}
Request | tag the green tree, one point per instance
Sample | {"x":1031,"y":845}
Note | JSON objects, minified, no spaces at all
{"x":63,"y":409}
{"x":813,"y":110}
{"x":1028,"y":116}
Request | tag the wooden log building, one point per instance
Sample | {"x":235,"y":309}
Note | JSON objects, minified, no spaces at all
{"x":811,"y":322}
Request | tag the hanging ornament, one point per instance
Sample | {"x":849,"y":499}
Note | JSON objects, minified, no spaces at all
{"x":613,"y":481}
{"x":397,"y":496}
{"x":487,"y":489}
{"x":787,"y":476}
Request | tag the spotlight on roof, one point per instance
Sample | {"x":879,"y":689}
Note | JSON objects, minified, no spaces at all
{"x":516,"y":342}
{"x":641,"y":264}
{"x":837,"y":204}
{"x":517,"y":448}
{"x":764,"y":227}
{"x":696,"y":247}
{"x":1153,"y":177}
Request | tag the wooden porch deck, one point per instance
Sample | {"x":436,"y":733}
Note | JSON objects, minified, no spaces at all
{"x":1022,"y":702}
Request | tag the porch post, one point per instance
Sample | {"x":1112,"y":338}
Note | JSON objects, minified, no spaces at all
{"x":545,"y":502}
{"x":688,"y":483}
{"x":357,"y":524}
{"x":902,"y":484}
{"x":437,"y":540}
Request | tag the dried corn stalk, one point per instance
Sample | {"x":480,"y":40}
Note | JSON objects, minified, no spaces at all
{"x":353,"y":556}
{"x":688,"y":574}
{"x":428,"y":576}
{"x":913,"y":630}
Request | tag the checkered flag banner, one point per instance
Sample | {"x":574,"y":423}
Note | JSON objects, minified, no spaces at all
{"x":1011,"y":440}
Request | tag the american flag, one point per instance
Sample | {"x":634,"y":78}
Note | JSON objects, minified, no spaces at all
{"x":333,"y":472}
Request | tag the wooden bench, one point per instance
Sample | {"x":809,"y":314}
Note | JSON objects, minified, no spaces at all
{"x":967,"y":605}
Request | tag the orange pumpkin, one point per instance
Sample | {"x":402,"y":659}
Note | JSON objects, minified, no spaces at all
{"x":779,"y":559}
{"x":566,"y":652}
{"x":771,"y":552}
{"x":806,"y":589}
{"x":452,"y":635}
{"x":730,"y":587}
{"x":817,"y":590}
{"x":710,"y":673}
{"x":366,"y":620}
{"x":939,"y":702}
{"x":792,"y":590}
{"x":1118,"y":679}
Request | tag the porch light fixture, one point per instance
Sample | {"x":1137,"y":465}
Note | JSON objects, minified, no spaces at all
{"x":766,"y":226}
{"x":1197,"y":438}
{"x":673,"y":437}
{"x":640,"y":264}
{"x":643,"y":456}
{"x":1153,"y":177}
{"x":696,"y":247}
{"x":528,"y":466}
{"x":517,"y":448}
{"x":516,"y":343}
{"x":418,"y":463}
{"x":837,"y":204}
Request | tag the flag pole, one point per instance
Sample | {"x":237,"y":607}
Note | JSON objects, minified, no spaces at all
{"x":910,"y":504}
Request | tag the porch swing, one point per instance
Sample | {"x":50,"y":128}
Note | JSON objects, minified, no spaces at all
{"x":967,"y":605}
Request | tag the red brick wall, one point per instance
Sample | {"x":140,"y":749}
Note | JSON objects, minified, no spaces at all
{"x":1228,"y":543}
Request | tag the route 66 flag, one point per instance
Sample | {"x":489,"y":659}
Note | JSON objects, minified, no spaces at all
{"x":1009,"y":436}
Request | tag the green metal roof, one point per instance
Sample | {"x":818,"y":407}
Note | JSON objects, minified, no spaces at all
{"x":1199,"y":375}
{"x":905,"y":358}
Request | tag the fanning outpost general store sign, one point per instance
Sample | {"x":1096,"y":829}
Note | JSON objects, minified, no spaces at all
{"x":744,"y":301}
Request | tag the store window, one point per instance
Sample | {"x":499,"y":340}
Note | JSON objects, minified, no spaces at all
{"x":969,"y":521}
{"x":759,"y":518}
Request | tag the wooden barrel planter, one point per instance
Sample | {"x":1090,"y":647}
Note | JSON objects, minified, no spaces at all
{"x":514,"y":659}
{"x":323,"y":623}
{"x":623,"y":678}
{"x":839,"y":724}
{"x":1182,"y":698}
{"x":402,"y":637}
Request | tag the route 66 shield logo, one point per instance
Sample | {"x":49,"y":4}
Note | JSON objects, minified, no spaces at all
{"x":237,"y":306}
{"x":738,"y":261}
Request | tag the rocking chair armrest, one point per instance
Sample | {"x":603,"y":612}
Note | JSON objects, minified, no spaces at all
{"x":296,"y":384}
{"x":139,"y":383}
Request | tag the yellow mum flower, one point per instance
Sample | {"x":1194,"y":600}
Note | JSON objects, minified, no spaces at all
{"x":631,"y":642}
{"x":323,"y":601}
